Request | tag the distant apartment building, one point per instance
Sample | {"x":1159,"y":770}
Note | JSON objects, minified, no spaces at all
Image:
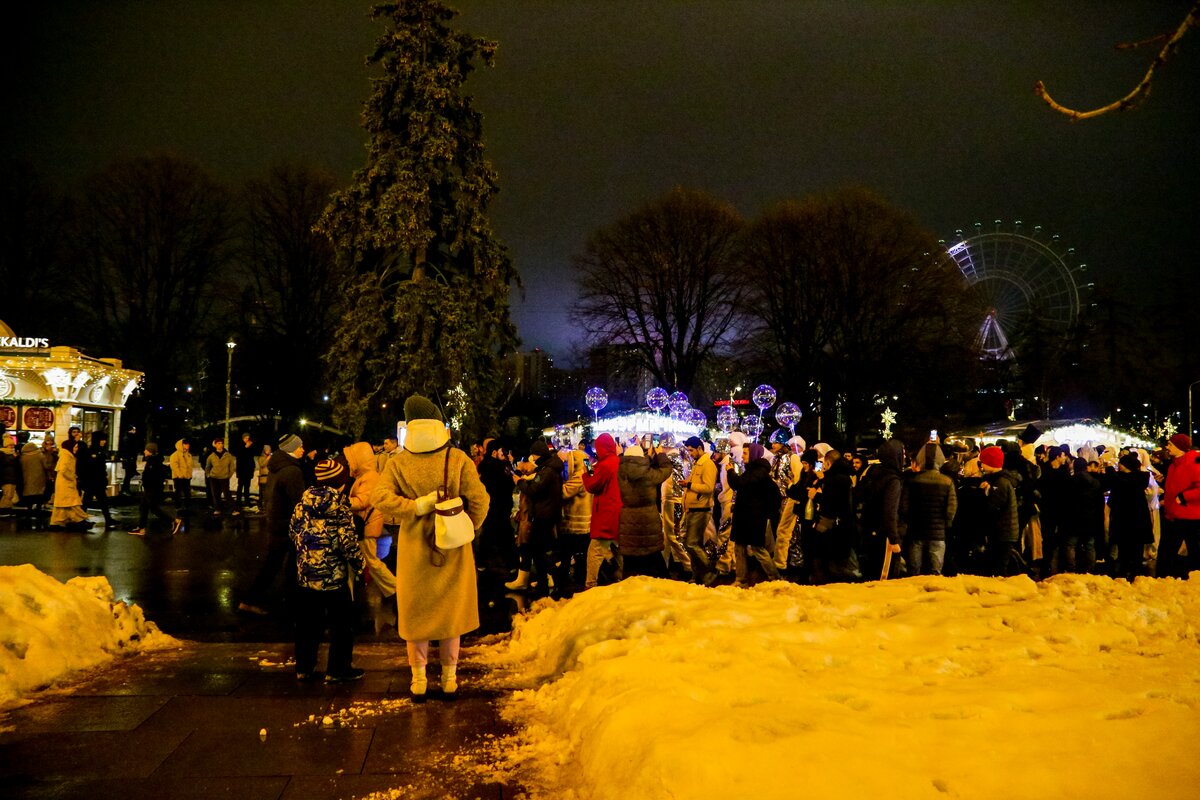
{"x":531,"y":375}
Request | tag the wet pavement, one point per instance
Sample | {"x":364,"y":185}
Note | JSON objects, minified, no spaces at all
{"x":186,"y":722}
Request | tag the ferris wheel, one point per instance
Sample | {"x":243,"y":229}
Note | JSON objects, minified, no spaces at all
{"x":1017,"y":272}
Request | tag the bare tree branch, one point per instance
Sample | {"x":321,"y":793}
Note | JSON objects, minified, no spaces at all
{"x":1143,"y":88}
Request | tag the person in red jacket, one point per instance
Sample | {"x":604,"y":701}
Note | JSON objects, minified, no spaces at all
{"x":1181,"y":509}
{"x":601,"y":482}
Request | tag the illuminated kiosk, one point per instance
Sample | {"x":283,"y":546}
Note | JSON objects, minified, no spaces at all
{"x":1074,"y":432}
{"x":47,"y":389}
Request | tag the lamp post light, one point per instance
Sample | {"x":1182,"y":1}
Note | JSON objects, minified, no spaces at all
{"x":228,"y":386}
{"x":1191,"y":386}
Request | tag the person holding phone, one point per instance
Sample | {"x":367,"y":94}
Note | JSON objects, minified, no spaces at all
{"x":697,"y":509}
{"x":573,"y":541}
{"x":601,"y":483}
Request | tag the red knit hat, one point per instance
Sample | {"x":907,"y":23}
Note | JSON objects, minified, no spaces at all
{"x":1182,"y":441}
{"x":992,"y":457}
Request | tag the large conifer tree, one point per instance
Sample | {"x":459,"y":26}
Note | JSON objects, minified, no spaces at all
{"x":428,"y":303}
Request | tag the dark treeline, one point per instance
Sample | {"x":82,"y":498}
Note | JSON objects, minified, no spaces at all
{"x":155,"y":261}
{"x":847,"y":306}
{"x":841,"y":301}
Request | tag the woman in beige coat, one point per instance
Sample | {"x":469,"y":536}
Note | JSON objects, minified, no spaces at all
{"x":68,"y":511}
{"x":435,"y":589}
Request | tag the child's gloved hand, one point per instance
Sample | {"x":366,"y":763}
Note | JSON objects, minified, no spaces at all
{"x":425,"y":504}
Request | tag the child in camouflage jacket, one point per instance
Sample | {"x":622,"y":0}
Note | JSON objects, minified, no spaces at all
{"x":328,"y":561}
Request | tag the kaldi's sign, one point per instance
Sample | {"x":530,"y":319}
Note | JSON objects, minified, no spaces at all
{"x":740,"y":402}
{"x":38,"y":418}
{"x":24,"y":342}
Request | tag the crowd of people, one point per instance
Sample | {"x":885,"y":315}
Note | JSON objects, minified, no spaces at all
{"x":364,"y":521}
{"x":55,"y":485}
{"x":739,"y":512}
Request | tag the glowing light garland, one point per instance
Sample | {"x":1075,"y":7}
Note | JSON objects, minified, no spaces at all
{"x":642,"y":422}
{"x":1075,"y":434}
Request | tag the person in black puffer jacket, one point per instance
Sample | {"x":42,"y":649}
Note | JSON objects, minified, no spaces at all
{"x":495,"y":544}
{"x":639,"y":532}
{"x":285,"y":486}
{"x":1002,"y":513}
{"x":879,"y":490}
{"x":1129,"y":526}
{"x":543,"y":492}
{"x":93,"y":476}
{"x":757,"y":505}
{"x":835,"y":531}
{"x":927,"y":506}
{"x":1083,"y":526}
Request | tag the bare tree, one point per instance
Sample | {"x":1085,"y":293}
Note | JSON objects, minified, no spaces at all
{"x":856,"y":298}
{"x":664,"y":281}
{"x":1170,"y":43}
{"x":155,"y":234}
{"x":298,"y":285}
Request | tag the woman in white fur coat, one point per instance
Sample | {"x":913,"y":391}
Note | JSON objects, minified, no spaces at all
{"x":436,"y":597}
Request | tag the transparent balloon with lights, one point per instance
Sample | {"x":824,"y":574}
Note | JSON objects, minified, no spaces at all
{"x":657,"y":399}
{"x":763,"y":397}
{"x":697,"y":418}
{"x":679,"y":404}
{"x":562,"y":437}
{"x":787,"y":415}
{"x":752,"y":426}
{"x":726,"y":418}
{"x":596,"y":399}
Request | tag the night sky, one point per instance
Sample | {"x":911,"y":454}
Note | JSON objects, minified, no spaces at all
{"x":594,"y":108}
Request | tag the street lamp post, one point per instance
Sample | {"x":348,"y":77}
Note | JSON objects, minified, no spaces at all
{"x":228,"y":386}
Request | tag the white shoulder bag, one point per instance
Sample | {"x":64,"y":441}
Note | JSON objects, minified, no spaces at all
{"x":452,"y":527}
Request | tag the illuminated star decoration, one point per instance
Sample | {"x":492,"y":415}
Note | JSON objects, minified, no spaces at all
{"x":888,"y":417}
{"x":1108,"y":421}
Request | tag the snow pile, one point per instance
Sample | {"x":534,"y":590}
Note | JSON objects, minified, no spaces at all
{"x":50,"y":629}
{"x":928,"y":687}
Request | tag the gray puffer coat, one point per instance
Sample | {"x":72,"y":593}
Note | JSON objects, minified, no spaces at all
{"x":640,"y":530}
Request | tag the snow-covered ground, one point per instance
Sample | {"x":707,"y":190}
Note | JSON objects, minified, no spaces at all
{"x":49,"y":630}
{"x":923,"y":688}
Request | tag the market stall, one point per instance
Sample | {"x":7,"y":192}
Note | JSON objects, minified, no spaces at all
{"x":45,"y":389}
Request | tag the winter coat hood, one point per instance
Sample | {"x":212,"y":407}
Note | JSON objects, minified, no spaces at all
{"x":29,"y":447}
{"x":320,"y":499}
{"x":575,"y":460}
{"x":606,"y":446}
{"x":426,"y":436}
{"x":360,"y":457}
{"x":891,"y":454}
{"x":179,"y":445}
